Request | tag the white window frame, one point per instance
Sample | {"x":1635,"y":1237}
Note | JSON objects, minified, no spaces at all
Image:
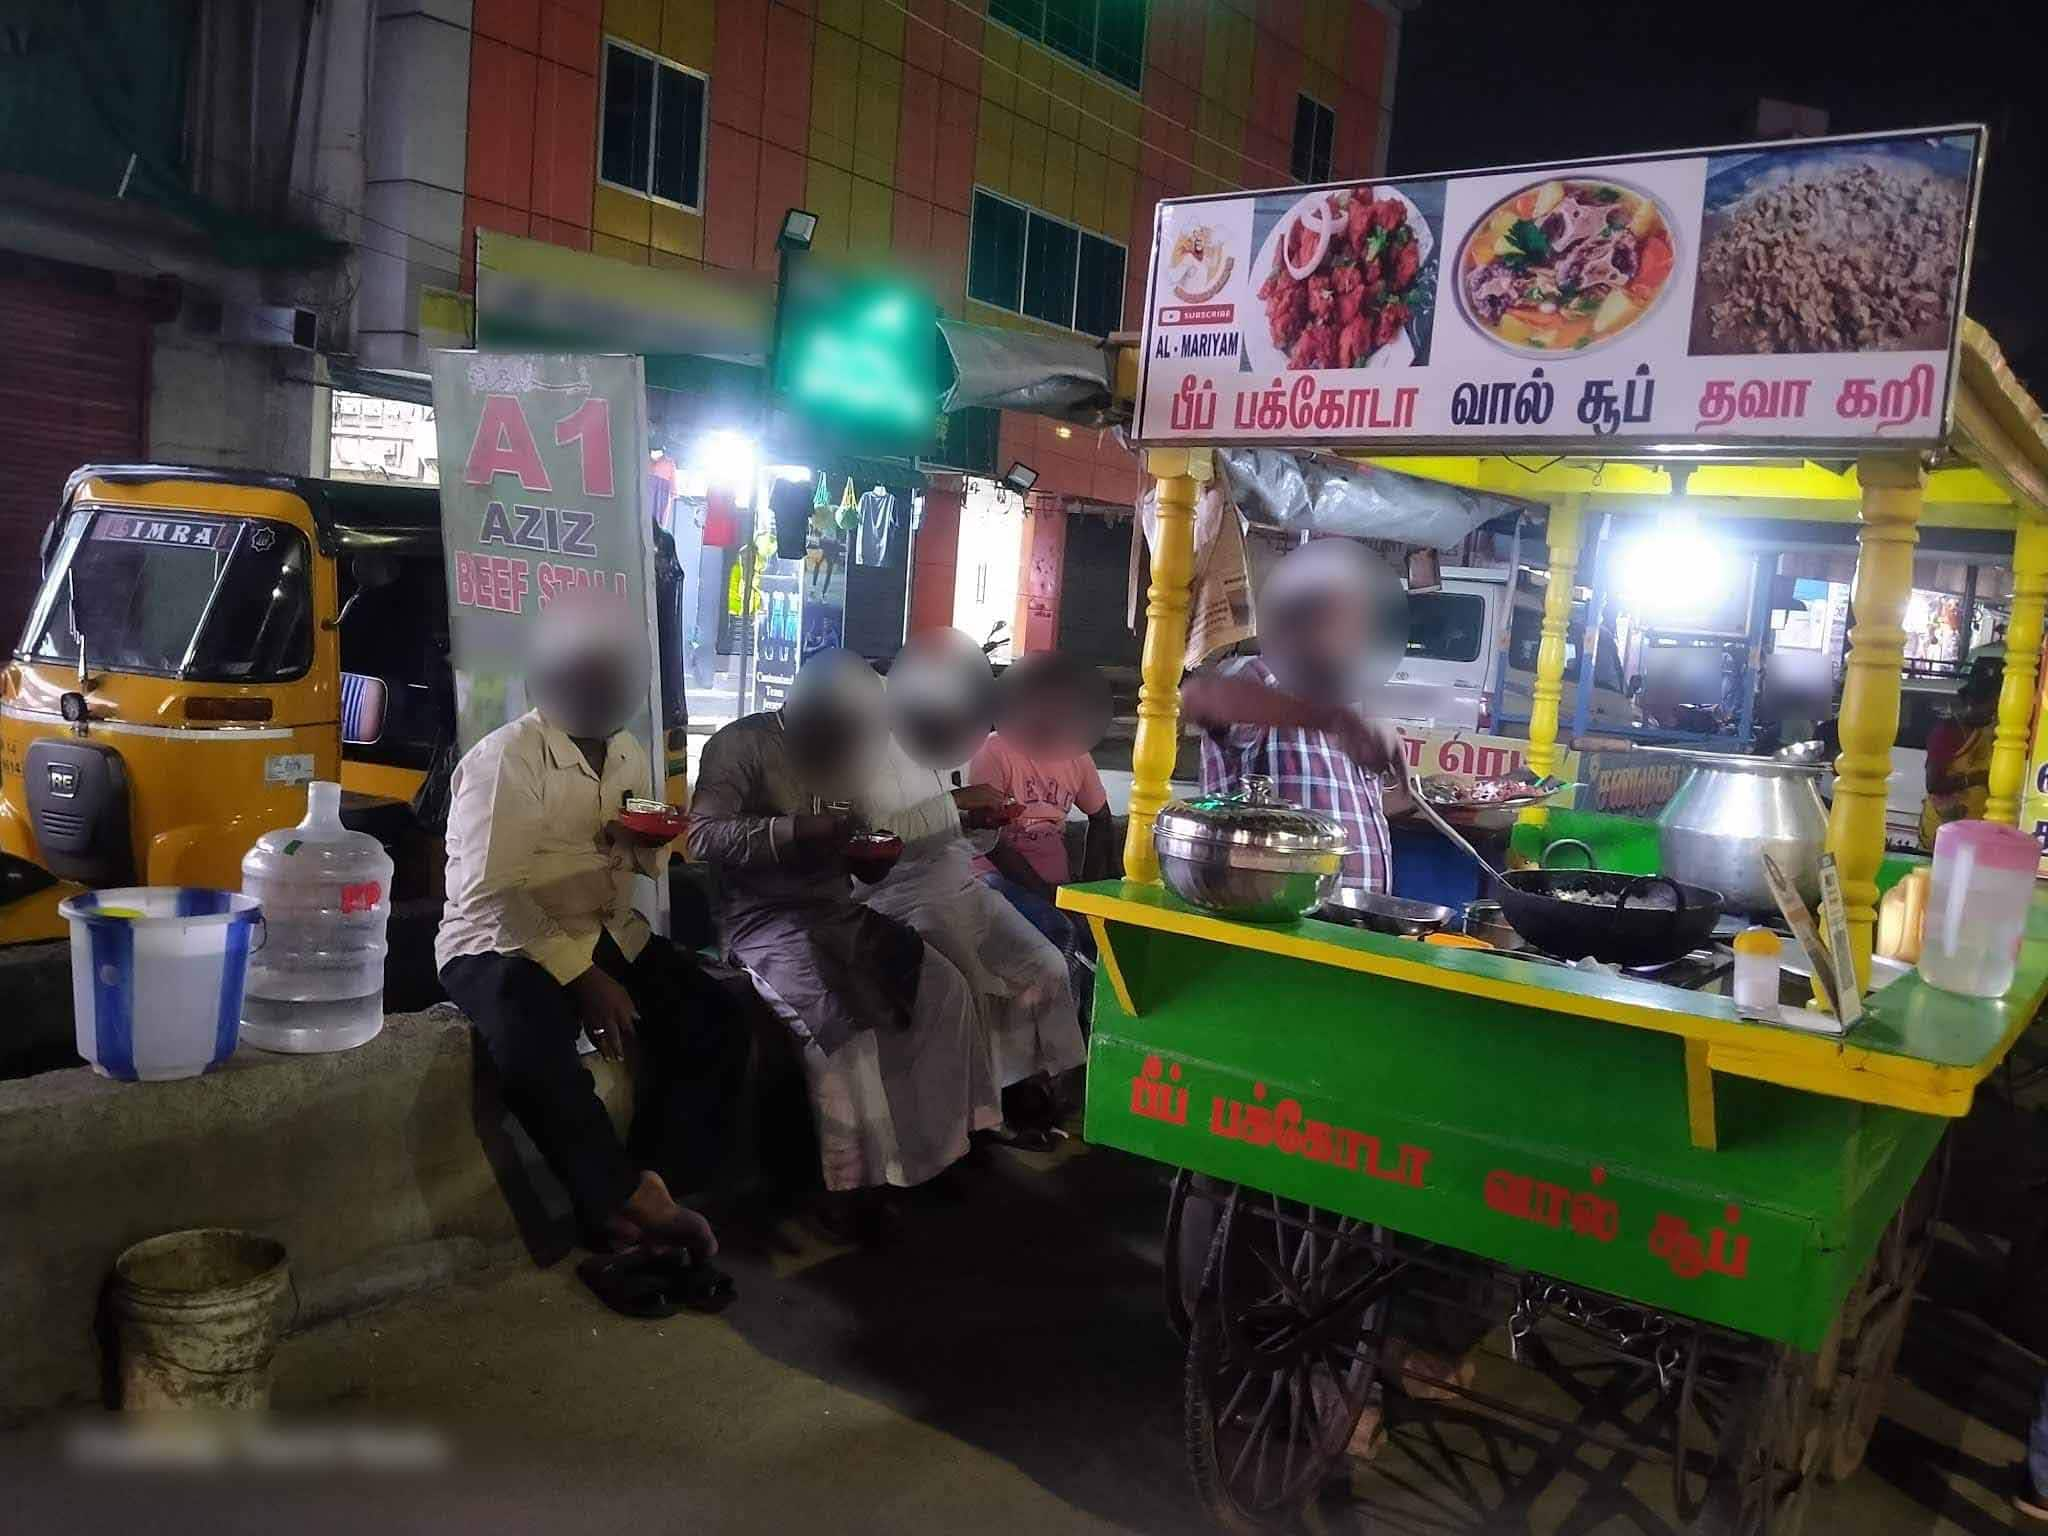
{"x":604,"y":81}
{"x":1315,"y":101}
{"x":1024,"y":268}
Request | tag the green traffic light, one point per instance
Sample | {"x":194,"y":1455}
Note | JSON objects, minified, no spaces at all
{"x":856,"y":358}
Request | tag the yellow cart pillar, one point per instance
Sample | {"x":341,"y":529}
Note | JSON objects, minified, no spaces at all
{"x":1178,"y":474}
{"x":1870,"y":694}
{"x":1562,"y":535}
{"x":2022,"y":667}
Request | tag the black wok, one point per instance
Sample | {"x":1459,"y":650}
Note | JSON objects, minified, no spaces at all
{"x":1643,"y":920}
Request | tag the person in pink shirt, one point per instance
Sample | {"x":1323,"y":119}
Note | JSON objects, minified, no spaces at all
{"x":1051,"y":712}
{"x":1039,"y":756}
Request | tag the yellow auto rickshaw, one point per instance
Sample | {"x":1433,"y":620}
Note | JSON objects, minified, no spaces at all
{"x":203,"y":644}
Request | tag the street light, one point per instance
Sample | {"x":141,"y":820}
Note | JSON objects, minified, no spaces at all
{"x":798,"y":228}
{"x":1021,"y":477}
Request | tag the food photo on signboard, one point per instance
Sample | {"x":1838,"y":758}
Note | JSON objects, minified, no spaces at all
{"x":1801,"y":294}
{"x":1565,"y":265}
{"x":1347,"y":278}
{"x":1850,"y":248}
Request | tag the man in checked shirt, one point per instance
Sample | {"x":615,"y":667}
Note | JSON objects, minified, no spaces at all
{"x":1291,"y":713}
{"x":1329,"y":627}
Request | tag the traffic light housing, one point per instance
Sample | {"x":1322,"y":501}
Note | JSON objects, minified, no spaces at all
{"x":856,"y":360}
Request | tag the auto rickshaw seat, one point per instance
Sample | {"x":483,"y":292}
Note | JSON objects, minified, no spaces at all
{"x":385,"y":818}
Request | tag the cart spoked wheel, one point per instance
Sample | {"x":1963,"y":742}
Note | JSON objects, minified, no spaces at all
{"x":1749,"y":1444}
{"x":1169,"y":1264}
{"x":1873,"y":1326}
{"x":1282,"y":1350}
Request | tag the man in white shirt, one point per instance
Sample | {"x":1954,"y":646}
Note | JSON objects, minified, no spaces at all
{"x":540,"y":940}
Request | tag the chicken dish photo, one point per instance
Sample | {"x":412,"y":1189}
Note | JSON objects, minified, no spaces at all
{"x":1341,"y":282}
{"x":1565,"y":265}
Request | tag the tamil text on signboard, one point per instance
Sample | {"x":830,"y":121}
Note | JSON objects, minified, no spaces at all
{"x":1802,"y":295}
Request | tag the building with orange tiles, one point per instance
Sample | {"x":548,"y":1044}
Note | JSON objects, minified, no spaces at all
{"x":1011,"y":151}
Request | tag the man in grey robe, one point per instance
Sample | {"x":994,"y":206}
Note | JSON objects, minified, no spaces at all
{"x":887,"y":1025}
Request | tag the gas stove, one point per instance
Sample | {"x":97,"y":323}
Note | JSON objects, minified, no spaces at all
{"x":1698,"y":970}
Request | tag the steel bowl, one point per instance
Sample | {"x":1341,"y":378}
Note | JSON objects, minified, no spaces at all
{"x":1385,"y":914}
{"x":1249,"y":856}
{"x":1485,"y":920}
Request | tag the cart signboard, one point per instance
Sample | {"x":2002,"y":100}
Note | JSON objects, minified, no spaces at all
{"x":1798,"y":296}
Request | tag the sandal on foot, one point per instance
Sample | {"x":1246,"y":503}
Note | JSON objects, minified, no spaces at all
{"x":629,"y":1283}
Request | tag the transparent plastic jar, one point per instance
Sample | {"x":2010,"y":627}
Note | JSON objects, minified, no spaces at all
{"x":317,"y":982}
{"x":1978,"y":893}
{"x":1759,"y":956}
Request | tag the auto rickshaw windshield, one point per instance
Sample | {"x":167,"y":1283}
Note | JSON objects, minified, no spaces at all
{"x":205,"y":599}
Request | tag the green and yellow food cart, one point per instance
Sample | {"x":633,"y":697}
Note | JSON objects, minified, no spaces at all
{"x":1740,"y":1209}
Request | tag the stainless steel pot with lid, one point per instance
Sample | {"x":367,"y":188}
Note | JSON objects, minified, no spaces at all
{"x":1729,"y":811}
{"x":1250,"y":855}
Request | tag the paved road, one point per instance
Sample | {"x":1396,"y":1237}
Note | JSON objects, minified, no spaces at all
{"x":1003,"y":1368}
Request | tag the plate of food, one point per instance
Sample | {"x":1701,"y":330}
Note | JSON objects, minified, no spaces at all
{"x":1504,"y":789}
{"x":873,"y":854}
{"x":984,"y":818}
{"x":653,"y":818}
{"x":1566,"y":265}
{"x":1341,"y":277}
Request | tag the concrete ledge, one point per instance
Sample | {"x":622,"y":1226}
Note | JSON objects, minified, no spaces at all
{"x":352,"y":1161}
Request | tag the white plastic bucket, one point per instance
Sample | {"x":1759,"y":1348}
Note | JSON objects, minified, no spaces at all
{"x":156,"y":977}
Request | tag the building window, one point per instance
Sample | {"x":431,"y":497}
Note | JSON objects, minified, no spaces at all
{"x":1106,"y":35}
{"x":1033,"y":264}
{"x":1315,"y":125}
{"x":652,"y":127}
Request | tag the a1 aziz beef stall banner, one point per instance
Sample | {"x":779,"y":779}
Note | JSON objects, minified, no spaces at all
{"x":1799,"y":295}
{"x":542,"y":457}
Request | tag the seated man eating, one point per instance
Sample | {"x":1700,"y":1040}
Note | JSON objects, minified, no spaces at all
{"x":886,"y":1025}
{"x":539,"y":942}
{"x":940,"y":699}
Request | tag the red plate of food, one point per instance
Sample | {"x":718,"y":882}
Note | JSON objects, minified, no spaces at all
{"x":873,"y":854}
{"x":988,"y":817}
{"x":654,"y":818}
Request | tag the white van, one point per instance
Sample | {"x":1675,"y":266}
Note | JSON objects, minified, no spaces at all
{"x":1457,"y":636}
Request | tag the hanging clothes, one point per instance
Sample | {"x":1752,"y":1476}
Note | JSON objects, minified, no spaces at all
{"x":877,"y":540}
{"x":790,"y":504}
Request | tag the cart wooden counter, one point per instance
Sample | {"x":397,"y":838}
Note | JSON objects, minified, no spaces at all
{"x":1542,"y":1117}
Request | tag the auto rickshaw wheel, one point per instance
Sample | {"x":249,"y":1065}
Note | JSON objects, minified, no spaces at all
{"x":1283,"y":1348}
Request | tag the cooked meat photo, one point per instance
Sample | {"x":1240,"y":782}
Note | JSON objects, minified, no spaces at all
{"x":1854,"y":257}
{"x":1565,"y":265}
{"x":1343,"y":280}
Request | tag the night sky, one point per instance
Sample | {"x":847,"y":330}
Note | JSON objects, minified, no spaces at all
{"x":1490,"y":82}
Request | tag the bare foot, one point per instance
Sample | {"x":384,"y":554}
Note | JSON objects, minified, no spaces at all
{"x":1370,"y":1435}
{"x":1433,"y":1379}
{"x":653,"y":1212}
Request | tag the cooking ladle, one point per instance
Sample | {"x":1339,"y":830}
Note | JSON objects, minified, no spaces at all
{"x":1430,"y":813}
